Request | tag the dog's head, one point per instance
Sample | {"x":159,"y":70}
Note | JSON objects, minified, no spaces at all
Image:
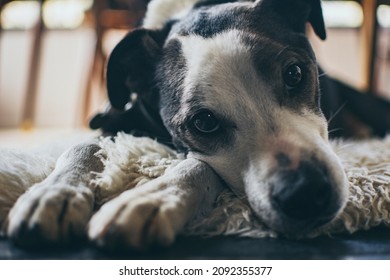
{"x":237,"y":87}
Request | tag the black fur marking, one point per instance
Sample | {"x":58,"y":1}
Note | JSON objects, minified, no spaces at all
{"x":211,"y":20}
{"x":170,"y":74}
{"x":271,"y":59}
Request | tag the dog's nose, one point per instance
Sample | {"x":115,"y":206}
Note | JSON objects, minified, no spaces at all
{"x":304,"y":193}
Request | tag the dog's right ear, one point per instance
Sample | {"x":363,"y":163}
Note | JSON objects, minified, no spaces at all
{"x":131,"y":65}
{"x":295,"y":13}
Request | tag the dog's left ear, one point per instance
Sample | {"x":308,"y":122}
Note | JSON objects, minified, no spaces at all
{"x":131,"y":65}
{"x":130,"y":82}
{"x":295,"y":13}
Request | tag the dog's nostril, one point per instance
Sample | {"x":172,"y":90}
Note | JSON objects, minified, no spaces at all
{"x":303,"y":194}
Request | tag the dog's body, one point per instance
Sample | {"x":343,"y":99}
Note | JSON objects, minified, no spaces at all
{"x":232,"y":84}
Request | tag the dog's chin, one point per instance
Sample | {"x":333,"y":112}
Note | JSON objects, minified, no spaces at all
{"x":295,"y":228}
{"x":293,"y":224}
{"x":298,"y":229}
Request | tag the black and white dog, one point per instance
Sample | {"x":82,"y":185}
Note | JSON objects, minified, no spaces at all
{"x":235,"y":86}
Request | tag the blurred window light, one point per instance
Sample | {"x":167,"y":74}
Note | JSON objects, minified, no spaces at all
{"x":20,"y":15}
{"x":57,"y":14}
{"x":383,"y":15}
{"x":87,"y":4}
{"x":65,"y":14}
{"x":342,"y":14}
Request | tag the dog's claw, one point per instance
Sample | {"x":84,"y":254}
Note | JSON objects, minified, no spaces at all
{"x":136,"y":221}
{"x":50,"y":214}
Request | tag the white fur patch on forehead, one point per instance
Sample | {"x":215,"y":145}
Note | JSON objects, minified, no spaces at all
{"x":200,"y":51}
{"x":160,"y":11}
{"x":221,"y":68}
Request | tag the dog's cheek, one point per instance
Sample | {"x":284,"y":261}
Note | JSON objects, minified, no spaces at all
{"x":257,"y":189}
{"x":328,"y":156}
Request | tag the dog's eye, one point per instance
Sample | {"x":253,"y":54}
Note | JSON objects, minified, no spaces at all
{"x":205,"y":122}
{"x":293,"y":76}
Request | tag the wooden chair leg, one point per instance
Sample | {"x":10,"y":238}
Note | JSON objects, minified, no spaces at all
{"x":32,"y":83}
{"x":97,"y":68}
{"x":369,"y":38}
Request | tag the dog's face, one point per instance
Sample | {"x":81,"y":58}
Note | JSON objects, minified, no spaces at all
{"x":238,"y":88}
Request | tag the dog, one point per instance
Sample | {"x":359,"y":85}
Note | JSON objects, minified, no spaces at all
{"x":235,"y":86}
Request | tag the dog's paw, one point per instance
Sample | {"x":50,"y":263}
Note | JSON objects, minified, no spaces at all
{"x":51,"y":214}
{"x":139,"y":218}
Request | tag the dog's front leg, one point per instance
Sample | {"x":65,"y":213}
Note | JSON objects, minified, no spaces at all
{"x":57,"y":210}
{"x":154,"y":213}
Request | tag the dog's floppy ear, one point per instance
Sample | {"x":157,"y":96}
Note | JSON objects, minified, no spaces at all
{"x":297,"y":12}
{"x":131,"y":65}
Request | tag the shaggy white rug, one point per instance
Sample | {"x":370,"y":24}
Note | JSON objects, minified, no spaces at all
{"x":132,"y":161}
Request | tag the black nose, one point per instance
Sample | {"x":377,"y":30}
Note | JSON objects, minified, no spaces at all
{"x":304,"y":193}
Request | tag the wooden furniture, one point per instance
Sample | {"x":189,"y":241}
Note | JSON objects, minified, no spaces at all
{"x":369,"y":38}
{"x":104,"y":17}
{"x":34,"y":66}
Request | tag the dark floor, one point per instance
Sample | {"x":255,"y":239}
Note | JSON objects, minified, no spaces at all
{"x":373,"y":244}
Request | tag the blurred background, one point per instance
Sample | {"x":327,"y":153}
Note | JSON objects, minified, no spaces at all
{"x":53,"y":53}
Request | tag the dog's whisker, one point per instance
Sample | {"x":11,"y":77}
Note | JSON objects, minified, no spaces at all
{"x":322,"y":74}
{"x":335,"y":129}
{"x":345,"y":146}
{"x":333,"y":115}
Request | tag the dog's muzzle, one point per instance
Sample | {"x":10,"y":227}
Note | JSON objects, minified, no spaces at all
{"x":296,"y":196}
